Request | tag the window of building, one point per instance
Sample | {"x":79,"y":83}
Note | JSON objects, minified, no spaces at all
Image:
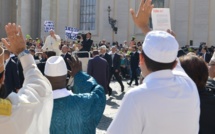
{"x":87,"y":14}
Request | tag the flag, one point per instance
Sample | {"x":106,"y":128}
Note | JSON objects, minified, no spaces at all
{"x":71,"y":33}
{"x":48,"y":25}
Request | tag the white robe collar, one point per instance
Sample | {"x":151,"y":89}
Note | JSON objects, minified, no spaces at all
{"x":61,"y":93}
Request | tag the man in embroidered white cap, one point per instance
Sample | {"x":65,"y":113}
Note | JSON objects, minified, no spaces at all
{"x":79,"y":111}
{"x":167,"y":102}
{"x":29,"y":111}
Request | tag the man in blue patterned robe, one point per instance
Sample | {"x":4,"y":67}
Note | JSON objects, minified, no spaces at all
{"x":77,"y":112}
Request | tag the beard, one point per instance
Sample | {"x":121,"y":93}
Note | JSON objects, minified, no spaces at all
{"x":3,"y":92}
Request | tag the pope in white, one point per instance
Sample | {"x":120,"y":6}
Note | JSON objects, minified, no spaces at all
{"x":52,"y":43}
{"x":30,"y":110}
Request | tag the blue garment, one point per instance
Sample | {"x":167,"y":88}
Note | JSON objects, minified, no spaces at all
{"x":81,"y":112}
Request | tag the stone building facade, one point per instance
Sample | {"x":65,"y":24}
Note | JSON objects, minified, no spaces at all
{"x":192,"y":20}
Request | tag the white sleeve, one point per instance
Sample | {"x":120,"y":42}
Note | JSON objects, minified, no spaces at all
{"x":128,"y":120}
{"x":178,"y":70}
{"x":35,"y":87}
{"x":45,"y":45}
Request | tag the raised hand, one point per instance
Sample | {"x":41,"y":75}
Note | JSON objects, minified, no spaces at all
{"x":15,"y":43}
{"x":76,"y":66}
{"x":141,"y":19}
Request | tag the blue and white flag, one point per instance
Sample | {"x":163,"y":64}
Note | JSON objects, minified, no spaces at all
{"x":71,"y":32}
{"x":48,"y":25}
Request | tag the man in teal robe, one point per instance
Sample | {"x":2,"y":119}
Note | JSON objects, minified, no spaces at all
{"x":77,"y":112}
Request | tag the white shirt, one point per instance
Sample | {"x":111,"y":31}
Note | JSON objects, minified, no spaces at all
{"x":6,"y":62}
{"x":32,"y":105}
{"x":61,"y":93}
{"x":166,"y":103}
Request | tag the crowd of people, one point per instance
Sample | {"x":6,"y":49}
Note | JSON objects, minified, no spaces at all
{"x":44,"y":90}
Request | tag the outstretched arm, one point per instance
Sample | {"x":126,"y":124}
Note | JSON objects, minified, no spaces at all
{"x":31,"y":91}
{"x":141,"y":18}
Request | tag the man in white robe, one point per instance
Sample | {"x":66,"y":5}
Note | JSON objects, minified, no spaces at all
{"x":52,"y":43}
{"x":30,"y":110}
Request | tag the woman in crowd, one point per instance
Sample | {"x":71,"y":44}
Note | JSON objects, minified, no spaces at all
{"x":197,"y":70}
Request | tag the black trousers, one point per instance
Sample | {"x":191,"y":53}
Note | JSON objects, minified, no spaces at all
{"x":134,"y":76}
{"x":117,"y":76}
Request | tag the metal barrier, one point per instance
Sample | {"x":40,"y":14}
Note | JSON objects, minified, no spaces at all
{"x":84,"y":60}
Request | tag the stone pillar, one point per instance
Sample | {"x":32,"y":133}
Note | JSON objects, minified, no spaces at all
{"x":122,"y":7}
{"x":211,"y":25}
{"x":45,"y":15}
{"x":24,"y":16}
{"x":200,"y":21}
{"x":7,"y":14}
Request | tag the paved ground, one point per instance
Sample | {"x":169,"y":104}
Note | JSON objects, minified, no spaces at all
{"x":112,"y":106}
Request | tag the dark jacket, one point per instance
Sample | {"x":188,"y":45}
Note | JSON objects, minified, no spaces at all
{"x":65,"y":57}
{"x":12,"y":81}
{"x":134,"y":61}
{"x":116,"y":61}
{"x":107,"y":57}
{"x":99,"y":70}
{"x":207,"y":106}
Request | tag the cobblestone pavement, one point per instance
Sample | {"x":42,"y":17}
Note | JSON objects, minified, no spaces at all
{"x":112,"y":106}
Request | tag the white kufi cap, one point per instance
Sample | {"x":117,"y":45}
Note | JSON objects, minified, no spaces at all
{"x":55,"y":66}
{"x":160,"y":46}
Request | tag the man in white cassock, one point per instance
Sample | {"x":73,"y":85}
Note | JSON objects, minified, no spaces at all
{"x":52,"y":43}
{"x":30,"y":110}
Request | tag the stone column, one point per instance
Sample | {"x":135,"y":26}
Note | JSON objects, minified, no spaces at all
{"x":24,"y":16}
{"x":200,"y":21}
{"x":45,"y":15}
{"x":211,"y":25}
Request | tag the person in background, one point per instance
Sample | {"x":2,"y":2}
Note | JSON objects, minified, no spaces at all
{"x":115,"y":67}
{"x":52,"y":43}
{"x":134,"y":63}
{"x":98,"y":68}
{"x":11,"y":82}
{"x":197,"y":70}
{"x":107,"y":57}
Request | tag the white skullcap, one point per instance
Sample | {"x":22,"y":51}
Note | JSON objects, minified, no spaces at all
{"x":55,"y":66}
{"x":160,"y":46}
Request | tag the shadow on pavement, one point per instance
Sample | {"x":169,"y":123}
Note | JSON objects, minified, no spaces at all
{"x":112,"y":103}
{"x":104,"y":123}
{"x":119,"y":97}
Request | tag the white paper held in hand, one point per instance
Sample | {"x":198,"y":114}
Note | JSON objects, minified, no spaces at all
{"x":161,"y":19}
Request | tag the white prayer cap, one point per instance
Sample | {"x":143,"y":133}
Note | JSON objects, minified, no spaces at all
{"x":55,"y":66}
{"x":160,"y":46}
{"x":213,"y":58}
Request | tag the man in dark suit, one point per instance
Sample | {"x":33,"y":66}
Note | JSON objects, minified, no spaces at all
{"x":41,"y":65}
{"x":98,"y":68}
{"x":115,"y":67}
{"x":66,"y":56}
{"x":205,"y":55}
{"x":134,"y":64}
{"x":107,"y":57}
{"x":86,"y":45}
{"x":12,"y":83}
